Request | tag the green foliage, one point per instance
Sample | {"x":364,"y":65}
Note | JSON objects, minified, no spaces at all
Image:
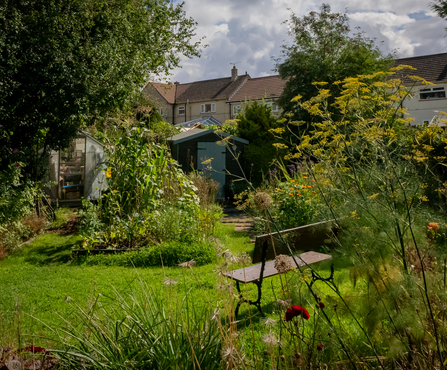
{"x":89,"y":222}
{"x":170,"y":254}
{"x":138,"y":330}
{"x":61,"y":219}
{"x":290,"y":198}
{"x":149,"y":198}
{"x":140,"y":112}
{"x":255,"y":122}
{"x":142,"y":174}
{"x":230,"y":127}
{"x":371,"y":169}
{"x":17,"y":201}
{"x":254,"y":125}
{"x":16,"y":197}
{"x":323,"y":50}
{"x":66,"y":64}
{"x":440,"y":7}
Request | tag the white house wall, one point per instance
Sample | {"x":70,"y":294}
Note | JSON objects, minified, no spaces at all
{"x":423,"y":110}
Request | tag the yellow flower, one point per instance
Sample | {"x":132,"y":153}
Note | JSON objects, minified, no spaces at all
{"x":279,"y":201}
{"x":305,"y":177}
{"x":292,"y":180}
{"x":115,"y":191}
{"x":278,"y":189}
{"x":290,"y":194}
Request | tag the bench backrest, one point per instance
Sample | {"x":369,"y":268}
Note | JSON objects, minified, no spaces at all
{"x":303,"y":238}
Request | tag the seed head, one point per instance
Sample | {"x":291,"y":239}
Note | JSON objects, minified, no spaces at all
{"x":282,"y":263}
{"x":262,"y":201}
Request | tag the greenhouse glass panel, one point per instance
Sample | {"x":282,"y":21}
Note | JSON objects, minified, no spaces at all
{"x":72,"y":170}
{"x":94,"y":175}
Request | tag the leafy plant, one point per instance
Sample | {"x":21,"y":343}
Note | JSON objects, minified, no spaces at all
{"x":137,"y":330}
{"x":171,"y":253}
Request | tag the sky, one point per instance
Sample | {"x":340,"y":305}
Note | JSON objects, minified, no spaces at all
{"x":250,"y":32}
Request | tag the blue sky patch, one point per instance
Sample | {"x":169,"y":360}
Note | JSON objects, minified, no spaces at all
{"x":419,"y":16}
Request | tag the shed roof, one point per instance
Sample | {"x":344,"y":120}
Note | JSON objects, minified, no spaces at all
{"x":432,"y":68}
{"x":196,"y":133}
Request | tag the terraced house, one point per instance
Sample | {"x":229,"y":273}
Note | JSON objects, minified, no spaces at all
{"x":220,"y":98}
{"x":427,"y":101}
{"x":223,"y":98}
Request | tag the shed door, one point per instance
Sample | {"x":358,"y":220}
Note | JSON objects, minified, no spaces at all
{"x":208,"y":150}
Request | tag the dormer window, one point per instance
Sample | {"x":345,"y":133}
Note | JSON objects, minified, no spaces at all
{"x":432,"y":93}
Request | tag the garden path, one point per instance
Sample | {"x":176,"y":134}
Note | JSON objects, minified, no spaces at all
{"x":241,"y":221}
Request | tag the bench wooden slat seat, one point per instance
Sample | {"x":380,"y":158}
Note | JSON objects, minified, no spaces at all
{"x":252,"y":273}
{"x":304,"y":239}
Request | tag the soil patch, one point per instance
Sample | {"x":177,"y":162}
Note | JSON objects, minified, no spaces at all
{"x":71,"y":227}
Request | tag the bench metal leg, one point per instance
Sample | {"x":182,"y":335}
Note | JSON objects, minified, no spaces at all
{"x":256,"y":303}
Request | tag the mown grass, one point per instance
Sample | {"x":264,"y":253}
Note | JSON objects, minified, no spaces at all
{"x":39,"y":282}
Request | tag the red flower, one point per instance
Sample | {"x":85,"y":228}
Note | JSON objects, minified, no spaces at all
{"x":17,"y":164}
{"x":296,"y":311}
{"x":319,"y":347}
{"x":15,"y":151}
{"x":34,"y":349}
{"x":321,"y":304}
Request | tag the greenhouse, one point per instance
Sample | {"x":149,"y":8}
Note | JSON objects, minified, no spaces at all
{"x":76,"y":171}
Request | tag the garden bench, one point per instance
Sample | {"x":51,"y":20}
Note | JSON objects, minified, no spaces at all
{"x":263,"y":249}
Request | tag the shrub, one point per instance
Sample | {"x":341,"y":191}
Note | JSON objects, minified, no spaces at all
{"x":294,"y":202}
{"x":171,"y":253}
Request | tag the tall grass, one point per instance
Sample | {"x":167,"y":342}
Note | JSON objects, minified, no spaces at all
{"x":138,"y":330}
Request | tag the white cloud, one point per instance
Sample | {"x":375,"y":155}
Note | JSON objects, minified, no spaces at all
{"x":252,"y":31}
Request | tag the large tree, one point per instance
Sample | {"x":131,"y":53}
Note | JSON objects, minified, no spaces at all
{"x":440,"y":7}
{"x":63,"y":63}
{"x":324,"y":49}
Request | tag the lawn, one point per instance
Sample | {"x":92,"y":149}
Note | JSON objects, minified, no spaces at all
{"x":40,"y":284}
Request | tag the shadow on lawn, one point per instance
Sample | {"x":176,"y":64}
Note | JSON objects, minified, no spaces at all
{"x":49,"y":249}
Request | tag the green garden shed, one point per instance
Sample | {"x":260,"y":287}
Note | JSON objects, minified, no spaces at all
{"x":193,"y":147}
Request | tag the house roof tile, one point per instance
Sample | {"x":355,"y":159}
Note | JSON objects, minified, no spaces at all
{"x":243,"y":88}
{"x":432,"y":68}
{"x":165,"y":90}
{"x":258,"y":88}
{"x":220,"y":88}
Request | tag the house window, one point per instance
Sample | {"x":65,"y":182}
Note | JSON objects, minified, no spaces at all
{"x":432,"y":93}
{"x":272,"y":105}
{"x":181,"y":111}
{"x":208,"y":108}
{"x":236,"y":109}
{"x":161,"y":112}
